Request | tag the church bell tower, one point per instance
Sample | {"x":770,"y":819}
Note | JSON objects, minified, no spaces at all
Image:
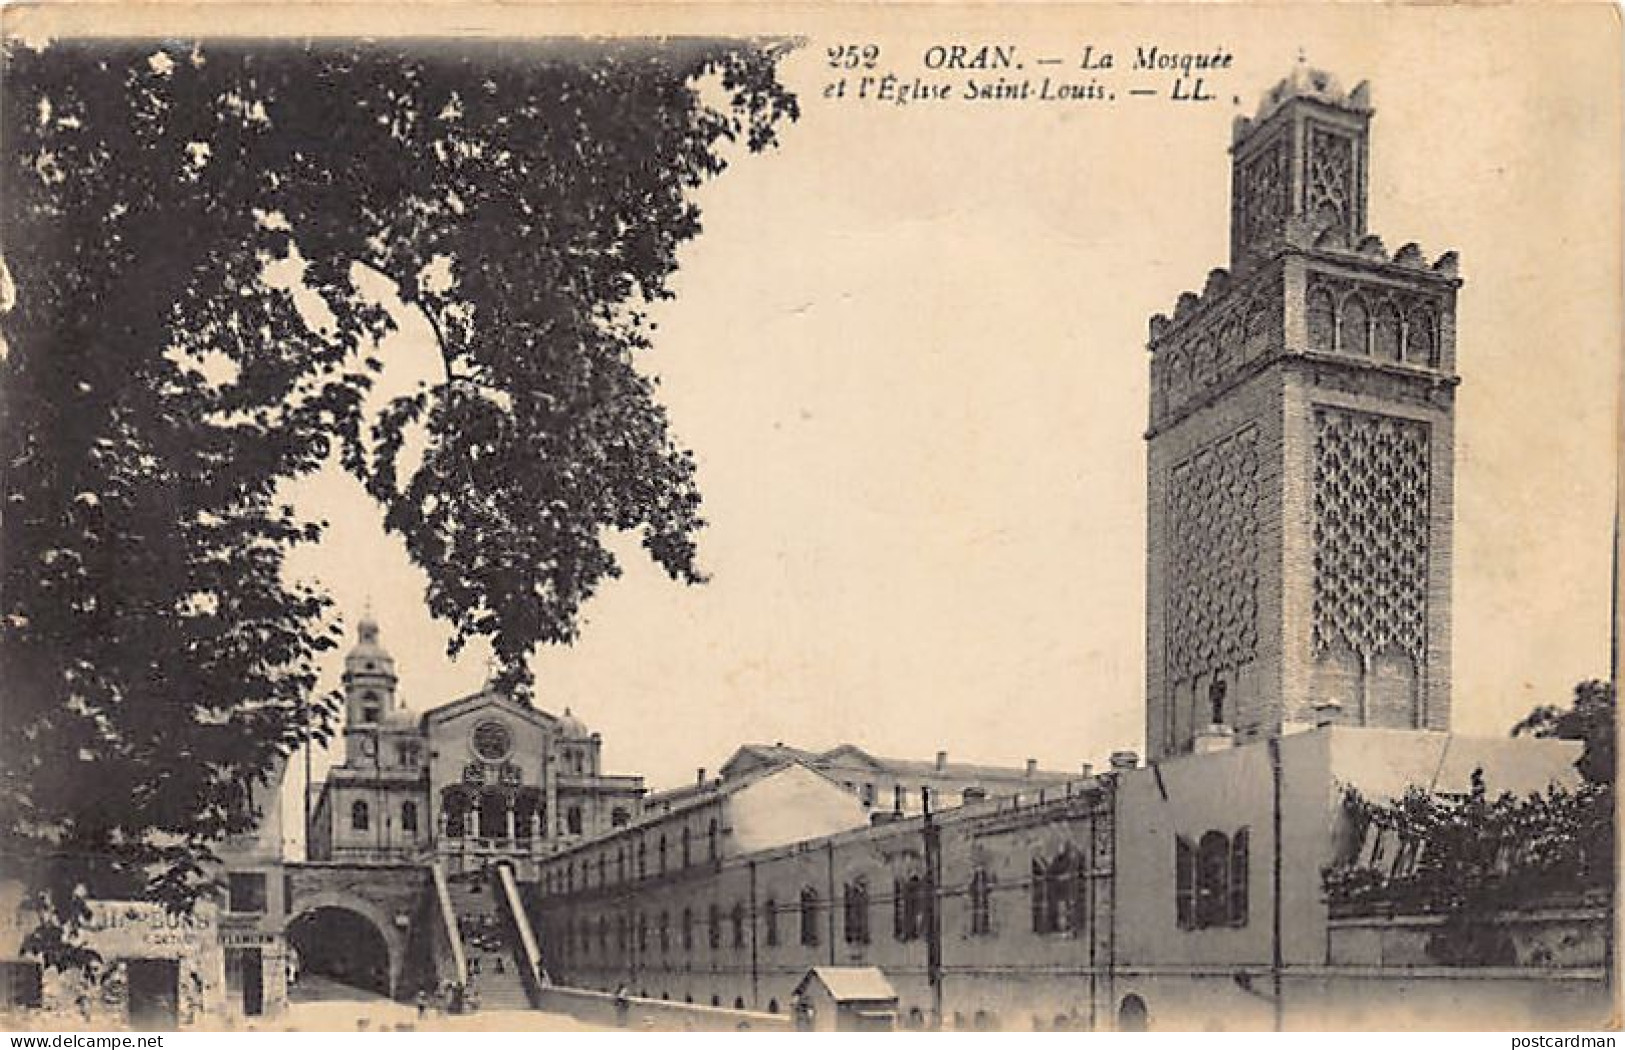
{"x":1300,"y":453}
{"x":369,"y":690}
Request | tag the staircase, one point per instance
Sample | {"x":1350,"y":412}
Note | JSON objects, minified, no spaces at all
{"x":494,"y":967}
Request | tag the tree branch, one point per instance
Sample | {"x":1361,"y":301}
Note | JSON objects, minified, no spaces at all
{"x":422,"y":308}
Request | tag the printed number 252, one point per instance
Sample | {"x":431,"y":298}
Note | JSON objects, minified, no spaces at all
{"x":853,"y":56}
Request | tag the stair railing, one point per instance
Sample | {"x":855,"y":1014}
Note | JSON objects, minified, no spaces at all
{"x":448,"y":921}
{"x":527,"y":937}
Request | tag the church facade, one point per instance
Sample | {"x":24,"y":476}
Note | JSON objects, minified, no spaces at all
{"x":477,"y":780}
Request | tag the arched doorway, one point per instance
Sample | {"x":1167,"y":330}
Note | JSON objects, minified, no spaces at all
{"x":456,"y":805}
{"x":493,"y":814}
{"x":343,"y":946}
{"x":1132,"y":1015}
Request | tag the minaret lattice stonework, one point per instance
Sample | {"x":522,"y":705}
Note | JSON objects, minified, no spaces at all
{"x":1301,"y":448}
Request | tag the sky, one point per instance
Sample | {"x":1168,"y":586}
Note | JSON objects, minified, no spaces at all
{"x":908,"y":351}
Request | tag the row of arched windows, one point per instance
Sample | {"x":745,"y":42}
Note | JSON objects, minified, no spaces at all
{"x":1384,"y":332}
{"x":493,"y":813}
{"x":563,"y":879}
{"x":361,"y":816}
{"x":578,"y":933}
{"x":911,"y":902}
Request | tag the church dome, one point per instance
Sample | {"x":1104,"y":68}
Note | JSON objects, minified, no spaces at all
{"x":368,"y":656}
{"x":571,"y":727}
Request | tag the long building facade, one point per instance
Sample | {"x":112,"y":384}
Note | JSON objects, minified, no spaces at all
{"x":1185,"y":893}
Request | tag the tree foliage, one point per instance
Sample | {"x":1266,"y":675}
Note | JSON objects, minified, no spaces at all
{"x":1468,"y":857}
{"x":160,"y":384}
{"x":1589,"y":718}
{"x":1475,"y":852}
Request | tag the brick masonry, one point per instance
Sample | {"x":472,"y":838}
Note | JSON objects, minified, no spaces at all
{"x":1315,"y":316}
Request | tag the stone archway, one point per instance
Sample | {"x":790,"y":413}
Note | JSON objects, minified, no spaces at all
{"x":349,"y":940}
{"x":1132,"y":1015}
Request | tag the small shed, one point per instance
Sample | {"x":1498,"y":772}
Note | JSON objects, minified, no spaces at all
{"x":846,"y":999}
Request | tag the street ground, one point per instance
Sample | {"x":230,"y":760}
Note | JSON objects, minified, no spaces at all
{"x":318,"y":1004}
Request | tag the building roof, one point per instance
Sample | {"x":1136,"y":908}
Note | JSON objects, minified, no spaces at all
{"x":662,"y":804}
{"x":768,"y":753}
{"x":490,"y":697}
{"x":674,"y":800}
{"x":1385,"y":763}
{"x":1317,"y":85}
{"x":851,"y":983}
{"x":368,"y":656}
{"x":748,"y":756}
{"x":572,"y":728}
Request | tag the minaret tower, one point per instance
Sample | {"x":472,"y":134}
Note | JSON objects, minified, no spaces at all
{"x":1300,"y":453}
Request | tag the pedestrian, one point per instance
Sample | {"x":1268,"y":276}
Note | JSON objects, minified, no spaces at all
{"x":623,"y":1006}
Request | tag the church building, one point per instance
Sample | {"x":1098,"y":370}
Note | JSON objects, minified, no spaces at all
{"x":476,"y":780}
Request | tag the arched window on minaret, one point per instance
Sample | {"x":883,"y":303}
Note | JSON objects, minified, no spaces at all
{"x":1322,"y":321}
{"x":1386,"y":333}
{"x":360,"y":816}
{"x":1356,"y":327}
{"x":1421,"y":341}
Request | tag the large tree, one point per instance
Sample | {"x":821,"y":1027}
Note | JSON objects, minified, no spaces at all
{"x":161,"y":383}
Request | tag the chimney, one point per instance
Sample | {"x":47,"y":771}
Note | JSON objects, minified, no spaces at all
{"x":1124,"y":760}
{"x":1088,"y":770}
{"x":699,"y":777}
{"x":1032,"y":766}
{"x":942,"y":761}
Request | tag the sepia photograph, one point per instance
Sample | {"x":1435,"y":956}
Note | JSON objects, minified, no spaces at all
{"x":1092,"y":517}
